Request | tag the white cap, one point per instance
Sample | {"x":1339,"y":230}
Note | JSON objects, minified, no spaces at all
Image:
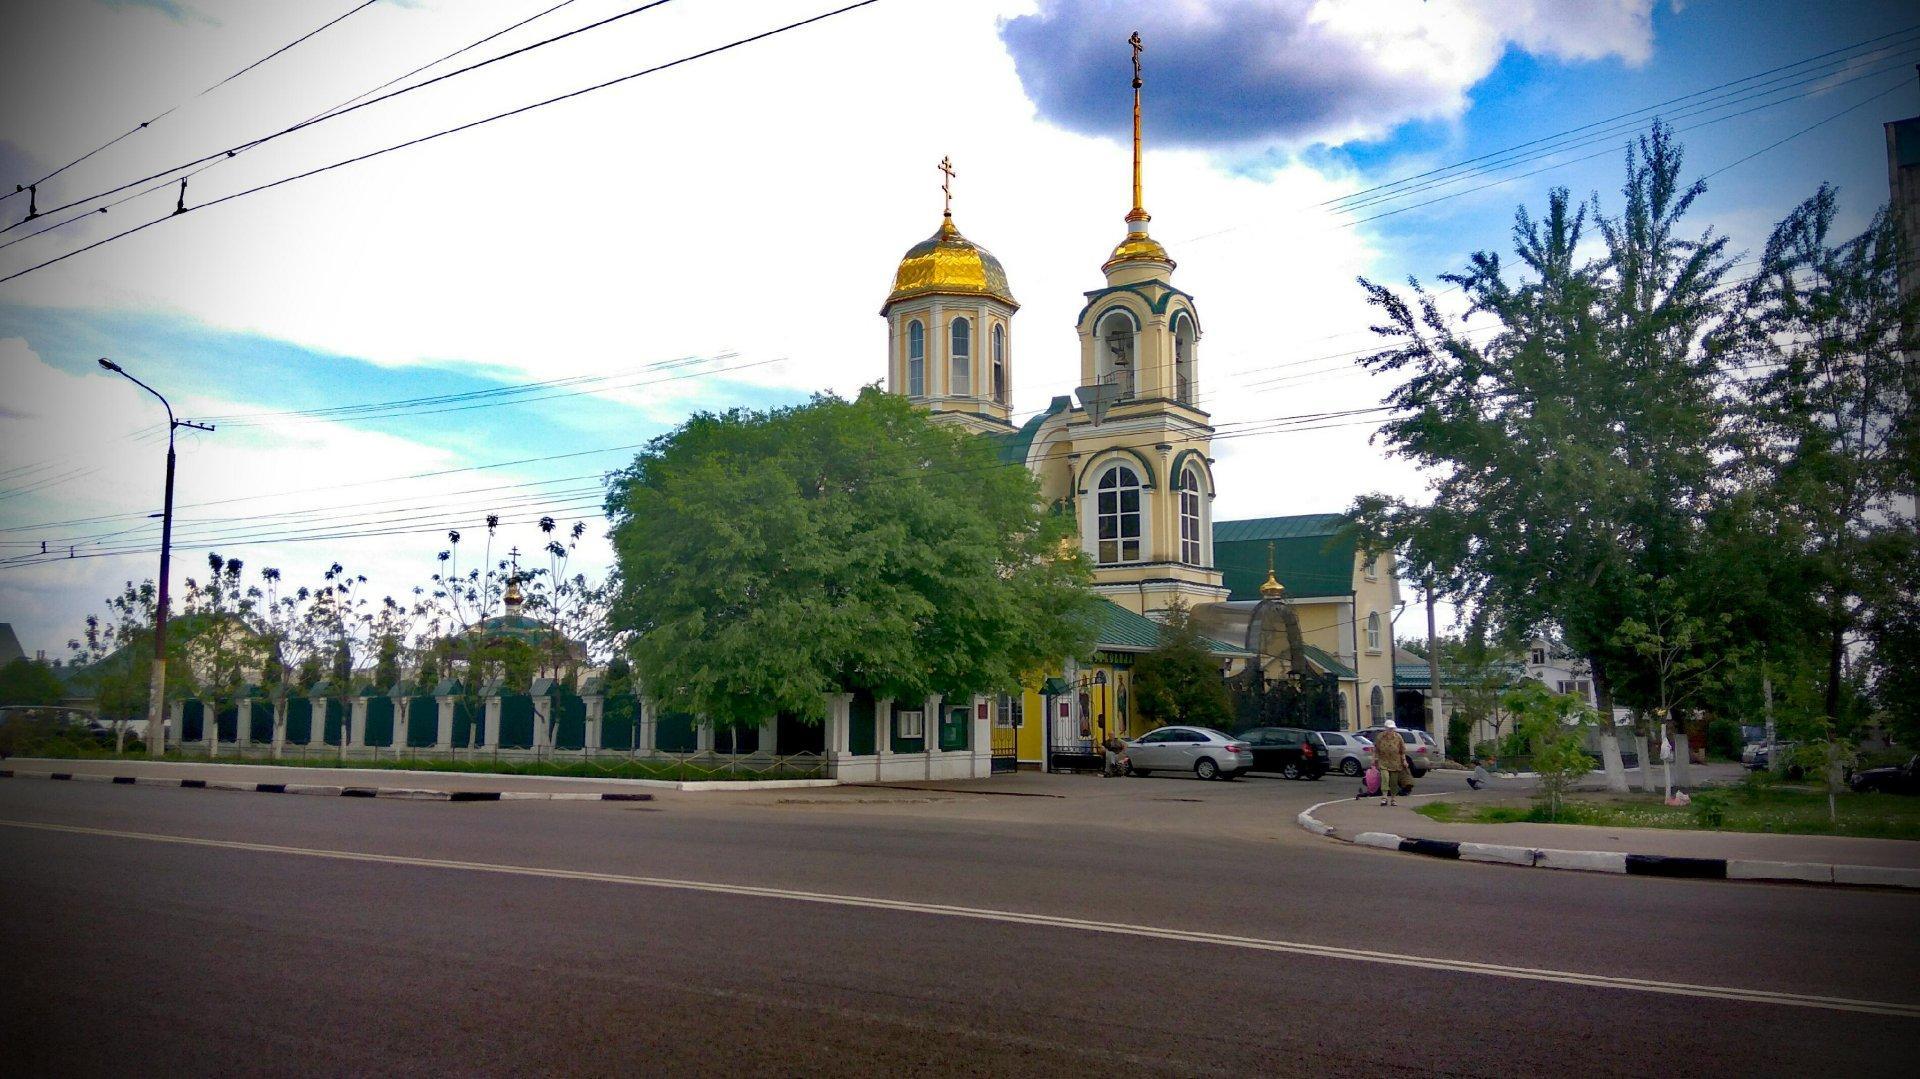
{"x":1390,"y":724}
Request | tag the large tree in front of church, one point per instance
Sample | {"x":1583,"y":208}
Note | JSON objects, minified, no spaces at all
{"x":767,"y":559}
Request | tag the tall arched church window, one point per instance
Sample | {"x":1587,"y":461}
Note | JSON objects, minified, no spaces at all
{"x":1373,"y":631}
{"x":1184,"y":381}
{"x":960,"y":382}
{"x":1117,"y":351}
{"x":1190,"y":517}
{"x":916,"y":359}
{"x":1117,"y":516}
{"x":1377,"y":700}
{"x":999,"y":364}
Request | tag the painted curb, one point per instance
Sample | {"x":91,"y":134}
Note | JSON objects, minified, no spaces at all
{"x":645,"y":784}
{"x":411,"y":794}
{"x":1615,"y":862}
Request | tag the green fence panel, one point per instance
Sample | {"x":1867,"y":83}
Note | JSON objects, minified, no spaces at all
{"x":619,"y":720}
{"x":260,"y":725}
{"x":336,"y":721}
{"x":953,"y":727}
{"x":299,"y":720}
{"x":516,"y":721}
{"x":192,"y":728}
{"x":736,"y":739}
{"x":423,"y":721}
{"x":466,"y":723}
{"x":861,"y":726}
{"x":675,"y":734}
{"x":226,"y":720}
{"x":379,"y":730}
{"x":794,"y":734}
{"x":569,"y":721}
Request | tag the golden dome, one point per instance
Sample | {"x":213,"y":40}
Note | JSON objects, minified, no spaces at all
{"x":1137,"y":247}
{"x":949,"y":264}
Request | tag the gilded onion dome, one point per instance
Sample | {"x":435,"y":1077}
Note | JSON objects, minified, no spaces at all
{"x":949,"y":264}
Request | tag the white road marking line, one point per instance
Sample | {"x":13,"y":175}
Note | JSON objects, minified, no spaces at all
{"x":1459,"y":966}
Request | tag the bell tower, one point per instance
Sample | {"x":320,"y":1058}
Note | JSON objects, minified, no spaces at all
{"x":1143,"y":476}
{"x":950,"y":326}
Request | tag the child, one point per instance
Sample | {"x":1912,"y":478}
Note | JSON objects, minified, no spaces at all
{"x":1369,"y":784}
{"x":1480,"y":776}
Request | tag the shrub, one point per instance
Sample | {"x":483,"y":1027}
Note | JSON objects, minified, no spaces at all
{"x":1724,"y":739}
{"x":1710,"y":810}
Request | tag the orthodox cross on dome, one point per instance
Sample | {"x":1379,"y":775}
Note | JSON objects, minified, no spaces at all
{"x":1271,"y":588}
{"x":513,"y":596}
{"x":1139,"y":211}
{"x":946,"y":184}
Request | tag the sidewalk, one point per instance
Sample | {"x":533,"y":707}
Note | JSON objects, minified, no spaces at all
{"x":1350,"y":818}
{"x":420,"y":779}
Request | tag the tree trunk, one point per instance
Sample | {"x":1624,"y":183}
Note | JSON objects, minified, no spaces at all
{"x":1682,"y":753}
{"x":1609,"y":739}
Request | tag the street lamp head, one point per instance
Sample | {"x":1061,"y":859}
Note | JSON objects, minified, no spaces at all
{"x":109,"y":364}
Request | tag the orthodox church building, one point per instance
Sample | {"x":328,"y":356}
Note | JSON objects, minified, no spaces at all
{"x":1128,"y":452}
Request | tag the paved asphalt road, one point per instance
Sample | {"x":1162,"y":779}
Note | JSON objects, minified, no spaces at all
{"x":127,"y":954}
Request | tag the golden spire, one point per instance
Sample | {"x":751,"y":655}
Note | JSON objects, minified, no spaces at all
{"x":1139,"y":211}
{"x":1271,"y":588}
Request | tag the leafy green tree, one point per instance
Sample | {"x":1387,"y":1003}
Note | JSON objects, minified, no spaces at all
{"x":24,"y":682}
{"x":1574,"y":448}
{"x":1179,"y":680}
{"x":767,"y":559}
{"x":1553,"y":726}
{"x":114,"y":653}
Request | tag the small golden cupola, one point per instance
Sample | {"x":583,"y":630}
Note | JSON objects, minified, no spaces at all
{"x":1138,"y":247}
{"x":950,"y":325}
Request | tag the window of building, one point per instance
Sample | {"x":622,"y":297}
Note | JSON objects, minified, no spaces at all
{"x":1373,"y":631}
{"x":1377,"y":703}
{"x":1190,"y":517}
{"x":1564,"y":686}
{"x":999,"y":364}
{"x":961,"y":353}
{"x":1373,"y":568}
{"x":1583,"y":687}
{"x":1117,"y":513}
{"x":1539,"y":657}
{"x":1115,"y":351}
{"x":1011,"y":712}
{"x":910,"y":724}
{"x":916,"y":359}
{"x":1183,"y":367}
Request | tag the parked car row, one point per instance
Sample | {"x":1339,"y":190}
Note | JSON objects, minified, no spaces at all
{"x":1291,"y":752}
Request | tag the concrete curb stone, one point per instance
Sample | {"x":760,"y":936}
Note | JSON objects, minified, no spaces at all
{"x":412,"y":794}
{"x":1601,"y":861}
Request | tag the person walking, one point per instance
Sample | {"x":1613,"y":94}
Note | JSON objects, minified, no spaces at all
{"x":1390,"y":755}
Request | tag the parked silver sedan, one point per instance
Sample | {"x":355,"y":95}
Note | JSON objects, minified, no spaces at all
{"x":1201,"y":750}
{"x":1349,"y":753}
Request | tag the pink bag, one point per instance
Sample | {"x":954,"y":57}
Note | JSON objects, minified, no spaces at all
{"x":1371,"y":782}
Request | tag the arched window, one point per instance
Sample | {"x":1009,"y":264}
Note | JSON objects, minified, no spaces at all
{"x":1373,"y":631}
{"x":916,"y":359}
{"x":1117,"y":516}
{"x":999,"y":364}
{"x":1115,"y":353}
{"x":1378,"y":703}
{"x":960,"y":382}
{"x":1190,"y":517}
{"x":1184,"y":387}
{"x":1340,"y":708}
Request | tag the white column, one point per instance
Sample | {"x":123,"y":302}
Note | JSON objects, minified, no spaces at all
{"x":980,"y":737}
{"x":443,"y":724}
{"x":317,"y":726}
{"x":702,"y":735}
{"x":357,"y":721}
{"x":839,"y":740}
{"x":402,"y":712}
{"x":490,"y":724}
{"x":930,"y":726}
{"x":242,"y":724}
{"x":646,"y":739}
{"x":596,"y":710}
{"x":176,"y":730}
{"x":883,"y":735}
{"x":210,"y":726}
{"x":543,"y":733}
{"x":769,"y":736}
{"x":279,"y":727}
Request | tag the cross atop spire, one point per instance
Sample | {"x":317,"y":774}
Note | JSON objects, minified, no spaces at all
{"x":513,"y":598}
{"x":1271,"y":588}
{"x":1139,"y":211}
{"x":946,"y":184}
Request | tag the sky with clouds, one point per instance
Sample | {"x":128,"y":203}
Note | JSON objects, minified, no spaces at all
{"x":723,"y":233}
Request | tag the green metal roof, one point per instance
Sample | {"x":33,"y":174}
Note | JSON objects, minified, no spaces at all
{"x":1014,"y":445}
{"x":1310,"y":557}
{"x":1120,"y":630}
{"x":1324,"y":660}
{"x":1419,"y":676}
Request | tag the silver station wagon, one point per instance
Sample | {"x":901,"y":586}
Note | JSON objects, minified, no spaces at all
{"x":1201,"y":750}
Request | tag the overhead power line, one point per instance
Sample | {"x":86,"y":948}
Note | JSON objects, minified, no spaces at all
{"x":144,"y":124}
{"x":654,"y":70}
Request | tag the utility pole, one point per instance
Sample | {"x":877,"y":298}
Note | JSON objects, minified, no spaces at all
{"x":1438,"y":723}
{"x":157,"y":687}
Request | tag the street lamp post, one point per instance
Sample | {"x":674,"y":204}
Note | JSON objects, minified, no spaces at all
{"x":157,"y":688}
